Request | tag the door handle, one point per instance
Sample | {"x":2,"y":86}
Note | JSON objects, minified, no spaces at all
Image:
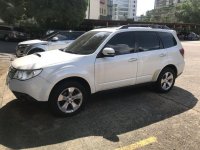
{"x":162,"y":55}
{"x":132,"y":59}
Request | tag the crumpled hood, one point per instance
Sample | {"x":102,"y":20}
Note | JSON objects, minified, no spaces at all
{"x":45,"y":59}
{"x":30,"y":42}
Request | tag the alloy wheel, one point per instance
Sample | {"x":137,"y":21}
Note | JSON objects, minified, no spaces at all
{"x":167,"y":81}
{"x":70,"y":100}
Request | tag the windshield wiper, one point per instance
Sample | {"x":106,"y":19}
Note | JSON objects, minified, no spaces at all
{"x":68,"y":51}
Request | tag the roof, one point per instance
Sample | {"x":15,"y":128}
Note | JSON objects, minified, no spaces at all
{"x":121,"y":28}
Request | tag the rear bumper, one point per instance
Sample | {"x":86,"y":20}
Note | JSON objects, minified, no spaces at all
{"x":180,"y":68}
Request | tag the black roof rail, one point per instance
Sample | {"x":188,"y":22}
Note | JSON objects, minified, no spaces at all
{"x":155,"y":26}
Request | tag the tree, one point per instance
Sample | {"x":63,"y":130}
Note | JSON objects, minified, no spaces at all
{"x":164,"y":14}
{"x":188,"y":12}
{"x":46,"y":13}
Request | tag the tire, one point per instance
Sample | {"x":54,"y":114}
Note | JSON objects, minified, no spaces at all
{"x":35,"y":51}
{"x":68,"y":98}
{"x":166,"y":80}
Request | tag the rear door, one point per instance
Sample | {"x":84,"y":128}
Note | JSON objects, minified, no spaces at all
{"x":152,"y":57}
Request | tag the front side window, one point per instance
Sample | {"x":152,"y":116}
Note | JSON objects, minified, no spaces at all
{"x":62,"y":36}
{"x":87,"y":43}
{"x":147,"y":41}
{"x":74,"y":35}
{"x":49,"y":36}
{"x":122,"y":43}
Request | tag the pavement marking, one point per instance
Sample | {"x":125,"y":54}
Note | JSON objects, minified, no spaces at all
{"x":139,"y":144}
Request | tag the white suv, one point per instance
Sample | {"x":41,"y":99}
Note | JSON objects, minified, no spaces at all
{"x":55,"y":40}
{"x":100,"y":59}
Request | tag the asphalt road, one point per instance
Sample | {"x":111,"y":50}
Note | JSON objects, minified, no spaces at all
{"x":7,"y":47}
{"x":127,"y":118}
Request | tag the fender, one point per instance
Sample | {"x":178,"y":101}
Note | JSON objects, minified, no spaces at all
{"x":65,"y":72}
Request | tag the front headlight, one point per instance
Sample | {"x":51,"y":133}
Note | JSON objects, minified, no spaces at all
{"x":26,"y":74}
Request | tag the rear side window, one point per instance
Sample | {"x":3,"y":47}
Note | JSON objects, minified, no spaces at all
{"x":168,"y":39}
{"x":147,"y":41}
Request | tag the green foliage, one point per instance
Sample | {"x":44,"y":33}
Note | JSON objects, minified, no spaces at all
{"x":189,"y":11}
{"x":186,"y":12}
{"x":165,"y":14}
{"x":45,"y":13}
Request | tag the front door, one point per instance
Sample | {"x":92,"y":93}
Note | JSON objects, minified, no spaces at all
{"x":120,"y":70}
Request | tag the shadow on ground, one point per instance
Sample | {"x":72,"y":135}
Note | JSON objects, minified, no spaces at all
{"x":25,"y":124}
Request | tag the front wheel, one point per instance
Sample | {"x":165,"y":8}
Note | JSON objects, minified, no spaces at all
{"x":67,"y":98}
{"x":166,"y":80}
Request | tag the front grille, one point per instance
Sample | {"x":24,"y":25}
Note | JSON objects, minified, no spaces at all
{"x":12,"y":72}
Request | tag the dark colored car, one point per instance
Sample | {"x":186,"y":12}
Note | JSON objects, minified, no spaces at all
{"x":9,"y":33}
{"x":191,"y":36}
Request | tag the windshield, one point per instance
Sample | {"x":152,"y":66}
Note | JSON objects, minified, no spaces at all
{"x":87,"y":43}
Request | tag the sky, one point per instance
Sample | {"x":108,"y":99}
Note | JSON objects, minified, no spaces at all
{"x":144,"y":5}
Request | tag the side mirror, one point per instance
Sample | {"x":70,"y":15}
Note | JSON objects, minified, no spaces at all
{"x":109,"y":52}
{"x":54,"y":39}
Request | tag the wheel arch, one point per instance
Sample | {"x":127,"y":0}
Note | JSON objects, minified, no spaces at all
{"x":76,"y":79}
{"x":171,"y":66}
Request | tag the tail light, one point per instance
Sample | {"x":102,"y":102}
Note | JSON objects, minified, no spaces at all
{"x":182,"y":51}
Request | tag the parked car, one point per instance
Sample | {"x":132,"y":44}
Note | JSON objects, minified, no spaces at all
{"x":55,"y":40}
{"x":99,"y":60}
{"x":193,"y":36}
{"x":9,"y":33}
{"x":188,"y":36}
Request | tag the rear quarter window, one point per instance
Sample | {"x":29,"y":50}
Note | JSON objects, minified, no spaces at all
{"x":168,"y":39}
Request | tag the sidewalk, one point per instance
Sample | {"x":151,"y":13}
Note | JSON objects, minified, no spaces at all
{"x":5,"y":60}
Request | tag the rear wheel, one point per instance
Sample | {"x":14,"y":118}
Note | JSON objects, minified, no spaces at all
{"x":166,"y":80}
{"x":68,"y":98}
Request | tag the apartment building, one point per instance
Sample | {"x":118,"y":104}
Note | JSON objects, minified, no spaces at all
{"x":111,"y":9}
{"x":93,"y":10}
{"x":103,"y":9}
{"x":124,"y":9}
{"x":164,"y":3}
